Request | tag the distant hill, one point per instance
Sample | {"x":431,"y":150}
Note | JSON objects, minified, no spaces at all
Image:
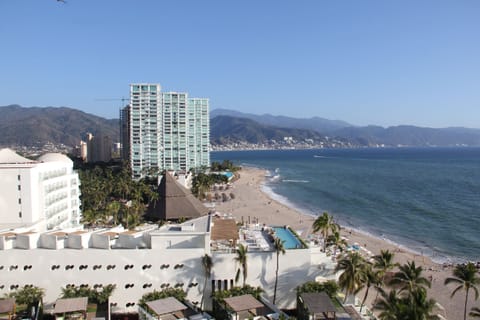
{"x":321,"y":125}
{"x":37,"y":126}
{"x":411,"y":136}
{"x":228,"y":129}
{"x":369,"y":135}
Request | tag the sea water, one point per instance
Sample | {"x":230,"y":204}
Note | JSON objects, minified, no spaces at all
{"x":425,"y":199}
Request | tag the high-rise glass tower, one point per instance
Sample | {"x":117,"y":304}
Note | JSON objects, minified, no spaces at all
{"x":164,"y":130}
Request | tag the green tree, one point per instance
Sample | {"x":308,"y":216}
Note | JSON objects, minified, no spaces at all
{"x":28,"y":295}
{"x":351,"y":279}
{"x":330,"y":287}
{"x":113,"y":208}
{"x":383,"y":263}
{"x":409,"y":278}
{"x":388,"y":304}
{"x":103,"y":295}
{"x":465,"y":276}
{"x":241,"y":259}
{"x":417,"y":306}
{"x":325,"y":224}
{"x":279,"y":248}
{"x":336,"y":240}
{"x":207,"y":264}
{"x":413,"y":305}
{"x":370,"y":277}
{"x":201,"y":183}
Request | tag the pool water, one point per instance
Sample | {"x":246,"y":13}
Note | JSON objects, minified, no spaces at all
{"x":290,"y":240}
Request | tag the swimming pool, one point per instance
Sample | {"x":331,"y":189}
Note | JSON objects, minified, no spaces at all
{"x":290,"y":240}
{"x":228,"y":174}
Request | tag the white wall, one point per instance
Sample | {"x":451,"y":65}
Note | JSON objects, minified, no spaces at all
{"x":295,"y":268}
{"x":42,"y":275}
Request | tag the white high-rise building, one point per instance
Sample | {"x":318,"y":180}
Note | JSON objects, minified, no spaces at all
{"x":164,"y":130}
{"x":41,"y":194}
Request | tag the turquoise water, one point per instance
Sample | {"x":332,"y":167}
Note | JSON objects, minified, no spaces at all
{"x":227,"y":174}
{"x":290,"y":240}
{"x":427,"y":200}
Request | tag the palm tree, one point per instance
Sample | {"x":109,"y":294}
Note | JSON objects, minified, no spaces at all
{"x":413,"y":305}
{"x":383,"y":263}
{"x":351,"y":279}
{"x":465,"y":275}
{"x":207,"y":264}
{"x":388,"y":304}
{"x":336,"y":240}
{"x":370,"y":277}
{"x":112,"y":209}
{"x":474,"y":312}
{"x":325,"y":224}
{"x":418,"y":306}
{"x":409,"y":277}
{"x":279,"y":248}
{"x":241,"y":258}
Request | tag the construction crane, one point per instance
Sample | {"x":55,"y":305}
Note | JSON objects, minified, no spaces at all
{"x":114,"y":99}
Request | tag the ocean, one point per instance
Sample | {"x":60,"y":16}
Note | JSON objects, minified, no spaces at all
{"x":423,"y":199}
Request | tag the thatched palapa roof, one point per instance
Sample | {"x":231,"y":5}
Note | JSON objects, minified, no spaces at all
{"x":175,"y":202}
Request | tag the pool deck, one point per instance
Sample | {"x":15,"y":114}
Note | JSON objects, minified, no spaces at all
{"x":255,"y":238}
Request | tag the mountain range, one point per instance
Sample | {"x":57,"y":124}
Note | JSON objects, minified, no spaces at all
{"x":403,"y":135}
{"x":39,"y":125}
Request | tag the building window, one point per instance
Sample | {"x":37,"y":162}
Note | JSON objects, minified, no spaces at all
{"x":19,"y":187}
{"x":20,"y":214}
{"x":19,"y":201}
{"x":18,"y":177}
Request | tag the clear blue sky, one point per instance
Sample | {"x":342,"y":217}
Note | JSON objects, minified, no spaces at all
{"x":366,"y":62}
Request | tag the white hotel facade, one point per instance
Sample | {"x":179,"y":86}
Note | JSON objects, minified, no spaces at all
{"x":141,"y":261}
{"x":45,"y":245}
{"x":42,"y":194}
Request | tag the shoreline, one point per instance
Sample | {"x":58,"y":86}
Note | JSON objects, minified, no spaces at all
{"x":443,"y":260}
{"x":253,"y":201}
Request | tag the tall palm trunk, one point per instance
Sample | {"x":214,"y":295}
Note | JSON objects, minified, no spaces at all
{"x":364,"y":299}
{"x":203,"y":294}
{"x":466,"y":302}
{"x":276,"y":281}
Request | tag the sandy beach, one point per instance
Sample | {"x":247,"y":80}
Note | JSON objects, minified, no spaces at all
{"x":254,"y":205}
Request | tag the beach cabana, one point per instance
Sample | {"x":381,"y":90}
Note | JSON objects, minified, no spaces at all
{"x":245,"y":307}
{"x":224,"y":232}
{"x":72,"y":308}
{"x":316,"y":305}
{"x":7,"y":308}
{"x":170,"y":309}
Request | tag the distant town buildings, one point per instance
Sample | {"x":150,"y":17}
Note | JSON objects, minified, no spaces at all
{"x":164,"y":130}
{"x":99,"y":148}
{"x":42,"y":194}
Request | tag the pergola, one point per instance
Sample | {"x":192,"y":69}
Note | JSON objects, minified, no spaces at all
{"x":246,"y":306}
{"x":225,"y":230}
{"x":169,"y":308}
{"x":71,"y":305}
{"x":7,"y":306}
{"x":319,"y":305}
